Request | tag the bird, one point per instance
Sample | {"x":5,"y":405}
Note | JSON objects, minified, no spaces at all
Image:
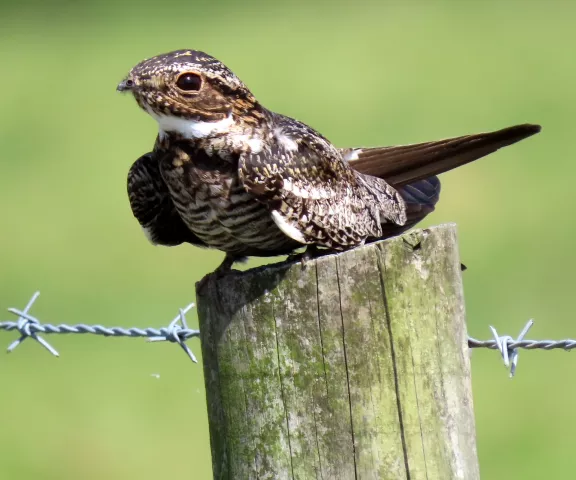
{"x":229,"y":174}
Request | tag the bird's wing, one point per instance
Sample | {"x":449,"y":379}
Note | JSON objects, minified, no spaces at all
{"x":313,"y":194}
{"x":152,"y":206}
{"x":420,"y":198}
{"x":404,"y":164}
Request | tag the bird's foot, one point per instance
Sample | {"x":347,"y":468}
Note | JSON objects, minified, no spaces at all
{"x":224,"y":268}
{"x":311,"y":252}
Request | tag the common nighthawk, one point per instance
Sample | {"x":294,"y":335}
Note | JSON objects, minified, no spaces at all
{"x":227,"y":173}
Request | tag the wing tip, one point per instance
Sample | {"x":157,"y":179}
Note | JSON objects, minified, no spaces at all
{"x":524,"y":130}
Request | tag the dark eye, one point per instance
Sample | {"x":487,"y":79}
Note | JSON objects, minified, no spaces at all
{"x":189,"y":82}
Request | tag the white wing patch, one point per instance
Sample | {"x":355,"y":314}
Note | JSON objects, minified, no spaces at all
{"x":313,"y":193}
{"x":352,"y":154}
{"x":286,"y":227}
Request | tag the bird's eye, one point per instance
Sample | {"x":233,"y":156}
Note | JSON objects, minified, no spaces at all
{"x":189,"y":82}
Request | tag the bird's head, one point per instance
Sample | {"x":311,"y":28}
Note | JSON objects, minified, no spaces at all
{"x":191,"y":93}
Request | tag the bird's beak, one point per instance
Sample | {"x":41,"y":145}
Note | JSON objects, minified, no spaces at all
{"x":125,"y":85}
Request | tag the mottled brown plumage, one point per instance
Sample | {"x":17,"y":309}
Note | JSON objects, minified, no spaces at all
{"x":227,"y":173}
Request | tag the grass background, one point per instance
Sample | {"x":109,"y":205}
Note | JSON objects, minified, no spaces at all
{"x":362,"y":73}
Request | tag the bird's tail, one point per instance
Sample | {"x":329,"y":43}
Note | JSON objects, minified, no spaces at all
{"x":406,"y":164}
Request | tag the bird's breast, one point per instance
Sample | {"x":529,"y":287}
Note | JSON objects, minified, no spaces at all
{"x":215,"y":206}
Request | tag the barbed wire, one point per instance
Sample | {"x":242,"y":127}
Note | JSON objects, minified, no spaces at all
{"x":29,"y":327}
{"x":178,"y":332}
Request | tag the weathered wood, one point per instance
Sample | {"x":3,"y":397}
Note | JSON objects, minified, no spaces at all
{"x":354,"y":367}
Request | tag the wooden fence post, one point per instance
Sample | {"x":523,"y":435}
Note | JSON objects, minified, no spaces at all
{"x":354,"y":367}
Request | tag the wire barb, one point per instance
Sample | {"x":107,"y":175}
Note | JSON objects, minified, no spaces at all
{"x":509,"y":354}
{"x":24,"y":326}
{"x":174,"y":331}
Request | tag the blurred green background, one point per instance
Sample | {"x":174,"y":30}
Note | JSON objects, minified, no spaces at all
{"x":361,"y":73}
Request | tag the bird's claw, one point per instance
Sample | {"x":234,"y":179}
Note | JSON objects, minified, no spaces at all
{"x":306,"y":256}
{"x":224,"y":268}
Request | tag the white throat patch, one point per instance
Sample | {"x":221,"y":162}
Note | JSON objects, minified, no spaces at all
{"x":196,"y":129}
{"x":190,"y":129}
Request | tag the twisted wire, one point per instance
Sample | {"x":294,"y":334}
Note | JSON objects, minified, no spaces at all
{"x":566,"y":344}
{"x":149,"y":332}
